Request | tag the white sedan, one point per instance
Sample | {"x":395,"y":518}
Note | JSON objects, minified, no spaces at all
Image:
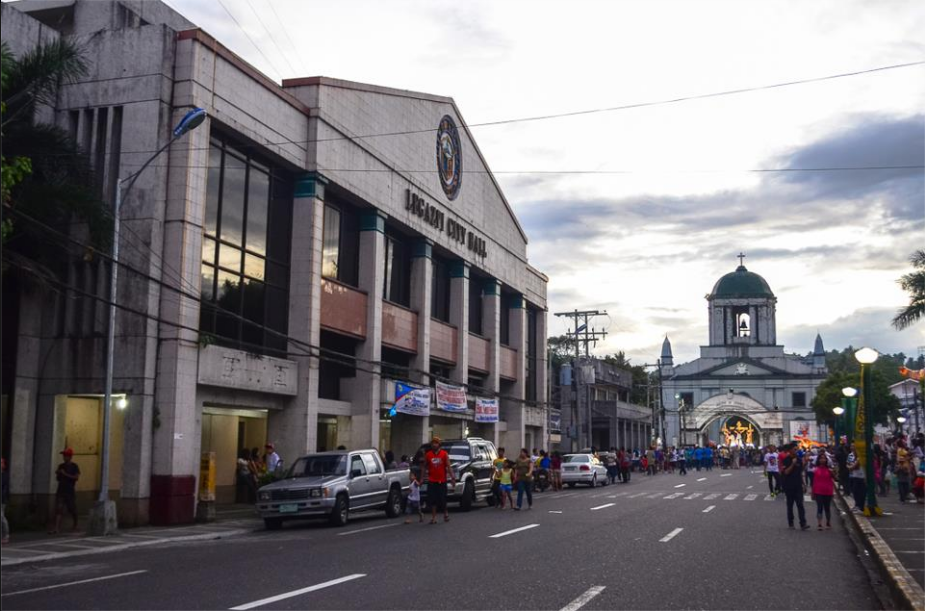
{"x":583,"y":469}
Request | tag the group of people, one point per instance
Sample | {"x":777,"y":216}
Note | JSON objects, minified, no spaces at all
{"x":897,"y":460}
{"x":252,"y":468}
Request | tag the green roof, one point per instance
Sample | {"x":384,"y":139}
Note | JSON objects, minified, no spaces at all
{"x":741,"y":283}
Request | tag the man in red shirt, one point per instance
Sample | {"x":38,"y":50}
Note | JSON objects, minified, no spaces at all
{"x":437,"y":466}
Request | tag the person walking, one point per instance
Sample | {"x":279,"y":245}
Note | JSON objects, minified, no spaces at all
{"x":792,"y":474}
{"x":625,"y":464}
{"x":414,"y":499}
{"x":271,"y":458}
{"x":437,"y":467}
{"x":610,"y":462}
{"x":555,"y":466}
{"x":67,"y":475}
{"x":523,"y":479}
{"x":506,"y":484}
{"x":858,"y":484}
{"x":679,"y":458}
{"x":823,"y":489}
{"x":498,"y":465}
{"x":771,"y":470}
{"x":650,"y":461}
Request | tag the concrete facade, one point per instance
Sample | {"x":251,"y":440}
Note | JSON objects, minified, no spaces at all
{"x":741,"y":374}
{"x":148,"y":67}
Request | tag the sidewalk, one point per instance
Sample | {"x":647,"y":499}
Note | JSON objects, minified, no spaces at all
{"x":36,"y":546}
{"x":896,"y":541}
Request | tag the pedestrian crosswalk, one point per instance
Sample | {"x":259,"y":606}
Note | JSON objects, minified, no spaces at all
{"x":723,"y":496}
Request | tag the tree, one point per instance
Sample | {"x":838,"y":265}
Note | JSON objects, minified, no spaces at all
{"x":561,"y":349}
{"x":45,"y":175}
{"x":914,"y":284}
{"x":640,"y":377}
{"x":886,"y":366}
{"x":829,"y":395}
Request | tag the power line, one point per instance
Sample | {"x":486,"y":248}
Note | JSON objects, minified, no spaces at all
{"x":256,"y":46}
{"x":270,"y":35}
{"x":282,"y":25}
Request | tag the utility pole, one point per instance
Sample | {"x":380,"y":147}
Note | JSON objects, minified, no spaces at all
{"x":583,"y":335}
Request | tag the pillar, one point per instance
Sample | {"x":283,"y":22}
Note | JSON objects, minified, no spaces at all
{"x":542,"y":371}
{"x":512,"y":410}
{"x":414,"y":428}
{"x":294,"y":430}
{"x":491,"y":329}
{"x":459,"y":318}
{"x":176,"y":437}
{"x":367,"y":396}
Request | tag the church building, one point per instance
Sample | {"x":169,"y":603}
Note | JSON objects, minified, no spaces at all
{"x":743,"y":385}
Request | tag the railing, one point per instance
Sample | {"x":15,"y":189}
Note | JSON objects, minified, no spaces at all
{"x":443,"y":338}
{"x":343,"y":308}
{"x":508,"y":365}
{"x":399,"y":327}
{"x":479,"y":353}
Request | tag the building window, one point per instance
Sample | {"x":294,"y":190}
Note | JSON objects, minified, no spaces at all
{"x":475,"y":307}
{"x":330,"y":242}
{"x":396,"y":286}
{"x":245,"y":251}
{"x":799,"y":399}
{"x":340,"y":243}
{"x":504,"y":328}
{"x":531,"y":355}
{"x":440,"y":291}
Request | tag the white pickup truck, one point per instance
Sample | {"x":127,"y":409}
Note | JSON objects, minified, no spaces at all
{"x":332,"y":485}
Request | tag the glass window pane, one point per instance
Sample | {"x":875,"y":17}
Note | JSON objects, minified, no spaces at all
{"x":277,"y":274}
{"x":389,"y":264}
{"x":233,"y":200}
{"x":208,"y":251}
{"x":207,"y":283}
{"x":253,"y":310}
{"x":229,"y":257}
{"x":254,"y":266}
{"x":258,"y":194}
{"x":228,"y":298}
{"x":330,"y":243}
{"x":213,"y":186}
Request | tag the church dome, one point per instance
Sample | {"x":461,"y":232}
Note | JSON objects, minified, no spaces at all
{"x":741,"y":283}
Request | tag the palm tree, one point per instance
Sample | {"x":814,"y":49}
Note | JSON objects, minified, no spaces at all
{"x":914,"y":284}
{"x":50,"y":180}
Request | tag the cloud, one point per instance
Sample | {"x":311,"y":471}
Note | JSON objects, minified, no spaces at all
{"x":863,"y":327}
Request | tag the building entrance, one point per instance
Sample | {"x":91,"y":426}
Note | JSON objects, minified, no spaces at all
{"x":227,"y":432}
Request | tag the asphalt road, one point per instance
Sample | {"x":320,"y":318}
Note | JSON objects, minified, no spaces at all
{"x":715,"y":543}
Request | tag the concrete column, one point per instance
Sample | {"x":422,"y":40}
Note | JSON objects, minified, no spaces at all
{"x":459,"y":318}
{"x":414,"y":429}
{"x":491,"y":329}
{"x":542,"y":370}
{"x":512,"y":411}
{"x":176,"y":434}
{"x":364,"y":422}
{"x":294,"y":430}
{"x":24,"y":404}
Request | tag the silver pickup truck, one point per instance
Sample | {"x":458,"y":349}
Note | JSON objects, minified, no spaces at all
{"x":331,"y":485}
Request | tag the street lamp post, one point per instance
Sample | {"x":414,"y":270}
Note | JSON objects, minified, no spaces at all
{"x":865,"y":426}
{"x":901,"y":420}
{"x":849,"y":403}
{"x":838,"y":411}
{"x":103,"y":519}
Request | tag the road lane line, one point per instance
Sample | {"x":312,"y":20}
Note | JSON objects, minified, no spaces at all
{"x":655,"y":496}
{"x":73,"y":583}
{"x":603,"y":506}
{"x":278,"y":597}
{"x":613,"y":496}
{"x":710,"y":497}
{"x":700,"y":479}
{"x":674,"y":495}
{"x":637,"y":495}
{"x":597,"y":496}
{"x":769,"y":497}
{"x":363,"y":530}
{"x":511,"y":532}
{"x":680,"y":485}
{"x":726,"y":475}
{"x":584,"y":599}
{"x":709,"y":509}
{"x":552,"y":511}
{"x":670,"y":535}
{"x":750,"y":497}
{"x":693,"y":496}
{"x":749,"y":487}
{"x":731,"y":497}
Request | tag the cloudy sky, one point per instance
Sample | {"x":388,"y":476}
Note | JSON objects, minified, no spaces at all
{"x":673,"y":194}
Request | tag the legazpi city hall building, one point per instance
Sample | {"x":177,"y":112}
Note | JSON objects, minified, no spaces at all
{"x":355,"y":232}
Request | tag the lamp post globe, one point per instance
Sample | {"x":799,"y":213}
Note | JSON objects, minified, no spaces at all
{"x":849,"y":391}
{"x":867,"y":356}
{"x":838,"y":411}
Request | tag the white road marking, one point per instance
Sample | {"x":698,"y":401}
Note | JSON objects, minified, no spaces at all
{"x":584,"y":599}
{"x":726,"y":475}
{"x":511,"y":532}
{"x":769,"y":497}
{"x":655,"y":496}
{"x":710,"y":497}
{"x":709,"y":509}
{"x":278,"y":597}
{"x":700,"y":479}
{"x":731,"y":497}
{"x":637,"y":495}
{"x":675,"y":495}
{"x":562,"y":496}
{"x":693,"y":496}
{"x":749,"y":487}
{"x":750,"y":497}
{"x":603,"y":506}
{"x":613,"y":496}
{"x":73,"y":583}
{"x":680,"y":485}
{"x":670,"y":535}
{"x":596,"y":496}
{"x":807,"y":498}
{"x":551,"y":511}
{"x":363,"y":530}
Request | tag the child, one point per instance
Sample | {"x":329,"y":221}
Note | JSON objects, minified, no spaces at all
{"x":507,"y":483}
{"x":414,"y":499}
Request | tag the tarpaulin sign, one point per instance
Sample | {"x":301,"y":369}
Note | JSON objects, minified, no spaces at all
{"x":411,"y":400}
{"x":486,"y":410}
{"x":451,"y":398}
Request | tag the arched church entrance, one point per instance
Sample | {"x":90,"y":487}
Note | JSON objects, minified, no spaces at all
{"x":731,"y":430}
{"x":729,"y":419}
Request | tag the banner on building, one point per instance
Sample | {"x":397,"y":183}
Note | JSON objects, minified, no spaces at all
{"x":451,"y":398}
{"x":411,"y":400}
{"x":486,"y":410}
{"x":555,"y":419}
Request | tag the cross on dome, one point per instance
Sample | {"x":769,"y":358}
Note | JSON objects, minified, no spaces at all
{"x":742,"y":259}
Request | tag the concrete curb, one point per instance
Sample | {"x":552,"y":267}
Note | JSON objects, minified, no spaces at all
{"x":906,"y":592}
{"x":115,"y":548}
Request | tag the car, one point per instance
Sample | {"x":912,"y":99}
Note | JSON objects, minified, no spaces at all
{"x":583,"y":469}
{"x":471,"y":460}
{"x":333,"y":485}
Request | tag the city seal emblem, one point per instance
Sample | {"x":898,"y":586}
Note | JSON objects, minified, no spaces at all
{"x":449,"y":157}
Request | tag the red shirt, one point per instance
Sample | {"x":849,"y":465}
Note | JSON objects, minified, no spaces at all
{"x":437,"y":463}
